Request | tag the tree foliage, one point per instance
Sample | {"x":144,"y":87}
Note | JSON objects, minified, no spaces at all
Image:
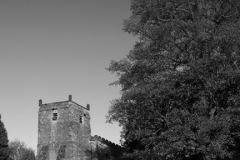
{"x":180,"y":83}
{"x":4,"y":150}
{"x":19,"y":151}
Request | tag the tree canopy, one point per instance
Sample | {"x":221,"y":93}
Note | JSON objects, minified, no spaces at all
{"x":4,"y":150}
{"x":180,"y":83}
{"x":19,"y":151}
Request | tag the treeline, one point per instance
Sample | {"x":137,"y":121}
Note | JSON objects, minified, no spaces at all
{"x":180,"y":84}
{"x":14,"y":150}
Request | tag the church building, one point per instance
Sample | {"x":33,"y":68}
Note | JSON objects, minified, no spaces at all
{"x":64,"y":133}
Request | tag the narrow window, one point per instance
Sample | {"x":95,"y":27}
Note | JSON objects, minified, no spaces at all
{"x":80,"y":119}
{"x":54,"y":116}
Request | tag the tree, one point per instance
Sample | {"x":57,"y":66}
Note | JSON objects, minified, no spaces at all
{"x":4,"y":150}
{"x":28,"y":154}
{"x":180,"y":83}
{"x":19,"y":151}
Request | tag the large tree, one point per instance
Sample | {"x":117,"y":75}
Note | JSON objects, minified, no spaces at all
{"x":4,"y":150}
{"x":180,"y":84}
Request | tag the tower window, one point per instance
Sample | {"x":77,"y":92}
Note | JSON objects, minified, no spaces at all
{"x":80,"y":119}
{"x":54,"y":116}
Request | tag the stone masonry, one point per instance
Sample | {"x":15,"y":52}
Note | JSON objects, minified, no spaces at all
{"x":64,"y":133}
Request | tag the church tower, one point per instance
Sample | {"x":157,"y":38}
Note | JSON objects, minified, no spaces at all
{"x":63,"y":131}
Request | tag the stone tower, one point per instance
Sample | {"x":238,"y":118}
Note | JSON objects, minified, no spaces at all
{"x":63,"y":131}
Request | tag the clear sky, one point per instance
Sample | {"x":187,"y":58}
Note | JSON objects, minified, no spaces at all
{"x":52,"y":48}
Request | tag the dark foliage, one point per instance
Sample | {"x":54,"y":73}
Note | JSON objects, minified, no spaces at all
{"x":180,"y":84}
{"x":4,"y":150}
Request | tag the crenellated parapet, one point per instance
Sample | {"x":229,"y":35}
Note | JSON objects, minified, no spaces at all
{"x":103,"y":149}
{"x":107,"y":142}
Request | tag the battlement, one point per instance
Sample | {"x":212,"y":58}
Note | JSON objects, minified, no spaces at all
{"x":105,"y":141}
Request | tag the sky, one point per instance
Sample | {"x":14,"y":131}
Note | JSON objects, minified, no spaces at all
{"x":50,"y":49}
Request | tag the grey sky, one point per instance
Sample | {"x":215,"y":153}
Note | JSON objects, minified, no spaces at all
{"x":52,"y":48}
